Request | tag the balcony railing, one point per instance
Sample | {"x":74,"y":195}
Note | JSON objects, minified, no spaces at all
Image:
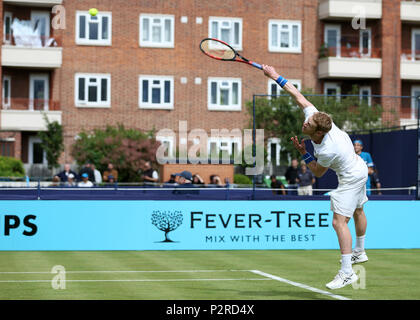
{"x":30,"y":104}
{"x":350,"y":52}
{"x":32,"y":41}
{"x":411,"y":55}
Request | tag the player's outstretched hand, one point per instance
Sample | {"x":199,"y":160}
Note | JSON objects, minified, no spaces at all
{"x":270,"y":72}
{"x":299,"y":146}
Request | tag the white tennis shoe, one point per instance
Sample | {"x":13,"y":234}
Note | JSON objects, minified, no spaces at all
{"x":358,"y":257}
{"x":341,"y":280}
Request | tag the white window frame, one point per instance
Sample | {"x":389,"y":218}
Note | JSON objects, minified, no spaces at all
{"x":337,"y":28}
{"x":162,"y":105}
{"x":6,"y":105}
{"x":296,"y":82}
{"x":275,"y":141}
{"x":151,"y":43}
{"x":6,"y":15}
{"x":369,"y":89}
{"x":414,"y":102}
{"x":369,"y":31}
{"x":43,"y":14}
{"x":228,"y":144}
{"x":39,"y":76}
{"x":90,"y":42}
{"x":333,"y":85}
{"x":230,"y":106}
{"x":278,"y":48}
{"x":231,"y":21}
{"x":414,"y":32}
{"x":85,"y":103}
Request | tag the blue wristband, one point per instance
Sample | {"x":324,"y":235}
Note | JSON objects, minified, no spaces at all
{"x":281,"y":81}
{"x":307,"y":157}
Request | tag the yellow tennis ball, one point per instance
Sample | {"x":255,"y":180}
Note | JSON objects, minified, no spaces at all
{"x":93,"y":12}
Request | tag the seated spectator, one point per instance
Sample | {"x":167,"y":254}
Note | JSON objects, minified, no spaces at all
{"x":185,"y":177}
{"x":111,"y":179}
{"x":291,"y":175}
{"x":110,"y":171}
{"x":375,"y":184}
{"x":172,"y":179}
{"x":63,"y":175}
{"x":215,"y":180}
{"x":97,"y":174}
{"x":150,"y":174}
{"x":55,"y":181}
{"x":305,"y":180}
{"x":277,"y":186}
{"x":197,"y":179}
{"x":85,"y":183}
{"x":70,"y":181}
{"x":87,"y":169}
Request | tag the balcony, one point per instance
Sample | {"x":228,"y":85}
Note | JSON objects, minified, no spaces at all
{"x":410,"y":65}
{"x":348,"y":9}
{"x":28,"y":114}
{"x":35,"y":3}
{"x":410,"y":11}
{"x":32,"y":52}
{"x":349,"y":63}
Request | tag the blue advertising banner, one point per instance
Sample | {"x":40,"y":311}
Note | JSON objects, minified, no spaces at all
{"x":196,"y":225}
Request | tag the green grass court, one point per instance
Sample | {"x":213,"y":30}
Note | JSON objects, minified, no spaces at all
{"x":205,"y":275}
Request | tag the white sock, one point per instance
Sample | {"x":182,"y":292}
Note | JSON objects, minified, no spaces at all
{"x":346,"y":263}
{"x":360,"y":244}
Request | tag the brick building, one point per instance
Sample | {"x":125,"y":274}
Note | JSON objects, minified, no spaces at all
{"x":138,"y":62}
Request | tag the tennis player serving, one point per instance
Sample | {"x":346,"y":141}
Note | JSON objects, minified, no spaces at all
{"x":333,"y":149}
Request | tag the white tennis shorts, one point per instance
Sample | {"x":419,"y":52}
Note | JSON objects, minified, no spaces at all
{"x":348,"y":197}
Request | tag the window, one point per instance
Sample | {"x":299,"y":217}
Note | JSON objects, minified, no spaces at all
{"x":274,"y":89}
{"x":365,"y":94}
{"x":332,"y":40}
{"x":6,"y":92}
{"x":39,"y":91}
{"x":93,"y":90}
{"x":415,"y":44}
{"x":156,"y":92}
{"x":224,"y":94}
{"x":157,"y":31}
{"x":93,"y":30}
{"x":365,"y":42}
{"x":332,"y":89}
{"x":7,"y":148}
{"x":36,"y":154}
{"x":284,"y":36}
{"x":228,"y":30}
{"x":415,"y":101}
{"x":7,"y":31}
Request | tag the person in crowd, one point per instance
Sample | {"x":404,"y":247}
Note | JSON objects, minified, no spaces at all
{"x":85,"y":183}
{"x":367,"y":158}
{"x":215,"y":180}
{"x":149,"y":174}
{"x":291,"y":175}
{"x":55,"y":181}
{"x":110,"y":171}
{"x":375,"y":184}
{"x":305,"y":180}
{"x":197,"y":179}
{"x":63,"y":175}
{"x":87,"y":169}
{"x":277,"y":186}
{"x":172,"y":179}
{"x":97,"y":174}
{"x":70,"y":181}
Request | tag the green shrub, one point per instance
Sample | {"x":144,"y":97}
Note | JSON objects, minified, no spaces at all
{"x":241,"y":179}
{"x":11,"y":167}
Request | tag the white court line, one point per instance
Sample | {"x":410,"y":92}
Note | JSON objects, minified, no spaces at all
{"x":141,"y":280}
{"x":120,"y":271}
{"x":299,"y":285}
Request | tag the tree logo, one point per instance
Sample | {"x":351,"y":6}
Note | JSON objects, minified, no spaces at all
{"x":167,"y":221}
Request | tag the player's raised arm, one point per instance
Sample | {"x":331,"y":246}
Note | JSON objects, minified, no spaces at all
{"x":270,"y":72}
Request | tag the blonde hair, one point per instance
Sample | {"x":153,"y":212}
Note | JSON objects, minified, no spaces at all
{"x":323,"y":121}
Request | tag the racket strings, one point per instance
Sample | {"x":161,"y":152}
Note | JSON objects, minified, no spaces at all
{"x":217,"y":50}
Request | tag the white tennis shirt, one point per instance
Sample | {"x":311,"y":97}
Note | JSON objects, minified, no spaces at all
{"x":336,"y":152}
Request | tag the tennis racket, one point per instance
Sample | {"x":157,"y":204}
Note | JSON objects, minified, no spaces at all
{"x":220,"y":50}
